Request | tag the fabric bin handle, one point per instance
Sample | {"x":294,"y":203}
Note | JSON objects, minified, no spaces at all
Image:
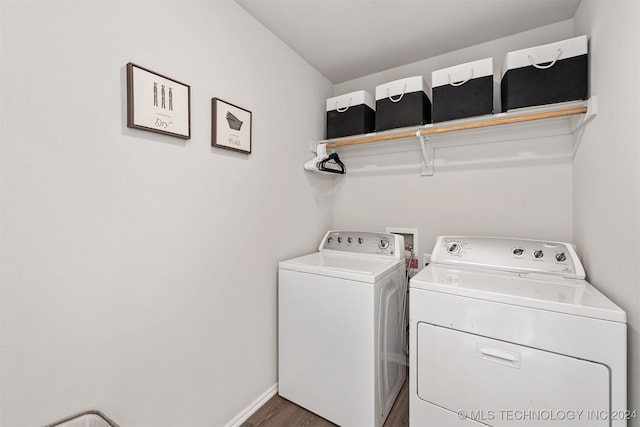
{"x":456,"y":84}
{"x":404,"y":89}
{"x":544,"y":67}
{"x":342,"y":110}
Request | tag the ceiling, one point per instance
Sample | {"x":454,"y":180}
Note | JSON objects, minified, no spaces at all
{"x":346,"y":39}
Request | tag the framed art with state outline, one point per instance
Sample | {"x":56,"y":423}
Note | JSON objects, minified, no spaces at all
{"x":230,"y":126}
{"x":157,"y":103}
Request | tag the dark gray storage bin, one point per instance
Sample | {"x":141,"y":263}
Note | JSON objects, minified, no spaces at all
{"x":465,"y":90}
{"x":350,"y":114}
{"x":403,"y":103}
{"x":547,"y":74}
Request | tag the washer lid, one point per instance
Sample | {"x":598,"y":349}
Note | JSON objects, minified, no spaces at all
{"x":542,"y":291}
{"x":357,"y":268}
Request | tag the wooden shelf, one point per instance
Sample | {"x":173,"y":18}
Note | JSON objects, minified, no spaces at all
{"x":526,"y":123}
{"x":500,"y":119}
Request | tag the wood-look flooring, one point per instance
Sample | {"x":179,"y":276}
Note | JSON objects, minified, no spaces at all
{"x":279,"y":412}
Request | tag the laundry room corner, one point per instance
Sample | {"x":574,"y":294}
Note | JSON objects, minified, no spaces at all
{"x":605,"y":170}
{"x":503,"y":186}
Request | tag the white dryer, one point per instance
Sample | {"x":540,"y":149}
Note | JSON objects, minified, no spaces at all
{"x":506,"y":332}
{"x":340,"y":310}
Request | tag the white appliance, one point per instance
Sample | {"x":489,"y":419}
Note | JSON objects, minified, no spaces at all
{"x":340,"y":311}
{"x":506,"y":332}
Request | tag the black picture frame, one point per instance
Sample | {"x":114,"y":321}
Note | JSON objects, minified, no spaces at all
{"x":231,"y":126}
{"x":157,"y":103}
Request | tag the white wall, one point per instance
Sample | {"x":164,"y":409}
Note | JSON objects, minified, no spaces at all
{"x":139,"y":270}
{"x":521,"y":187}
{"x":607,"y":166}
{"x":125,"y":282}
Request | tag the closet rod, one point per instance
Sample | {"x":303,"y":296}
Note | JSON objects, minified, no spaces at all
{"x":466,"y":126}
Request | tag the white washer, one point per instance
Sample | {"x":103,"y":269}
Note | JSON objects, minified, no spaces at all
{"x":339,"y":316}
{"x":506,"y":332}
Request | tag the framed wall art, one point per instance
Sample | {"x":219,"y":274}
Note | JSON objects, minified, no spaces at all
{"x":230,"y":126}
{"x":157,"y":103}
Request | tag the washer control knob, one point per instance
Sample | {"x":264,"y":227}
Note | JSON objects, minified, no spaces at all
{"x":383,"y":243}
{"x":360,"y":240}
{"x":339,"y":239}
{"x":538,"y":253}
{"x":560,"y":256}
{"x":453,"y":247}
{"x":349,"y":239}
{"x":518,"y":251}
{"x":329,"y":239}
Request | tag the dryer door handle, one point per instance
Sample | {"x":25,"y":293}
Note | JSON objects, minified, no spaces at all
{"x":499,"y":355}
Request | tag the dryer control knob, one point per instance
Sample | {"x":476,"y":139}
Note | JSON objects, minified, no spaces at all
{"x":453,"y":247}
{"x":538,"y":254}
{"x":383,"y":243}
{"x":560,"y":256}
{"x":360,"y":240}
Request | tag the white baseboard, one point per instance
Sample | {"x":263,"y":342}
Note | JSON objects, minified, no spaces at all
{"x":253,"y":407}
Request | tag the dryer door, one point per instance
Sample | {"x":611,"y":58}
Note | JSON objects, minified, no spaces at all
{"x":503,"y":384}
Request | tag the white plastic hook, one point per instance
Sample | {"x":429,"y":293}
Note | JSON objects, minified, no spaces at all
{"x":321,"y":150}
